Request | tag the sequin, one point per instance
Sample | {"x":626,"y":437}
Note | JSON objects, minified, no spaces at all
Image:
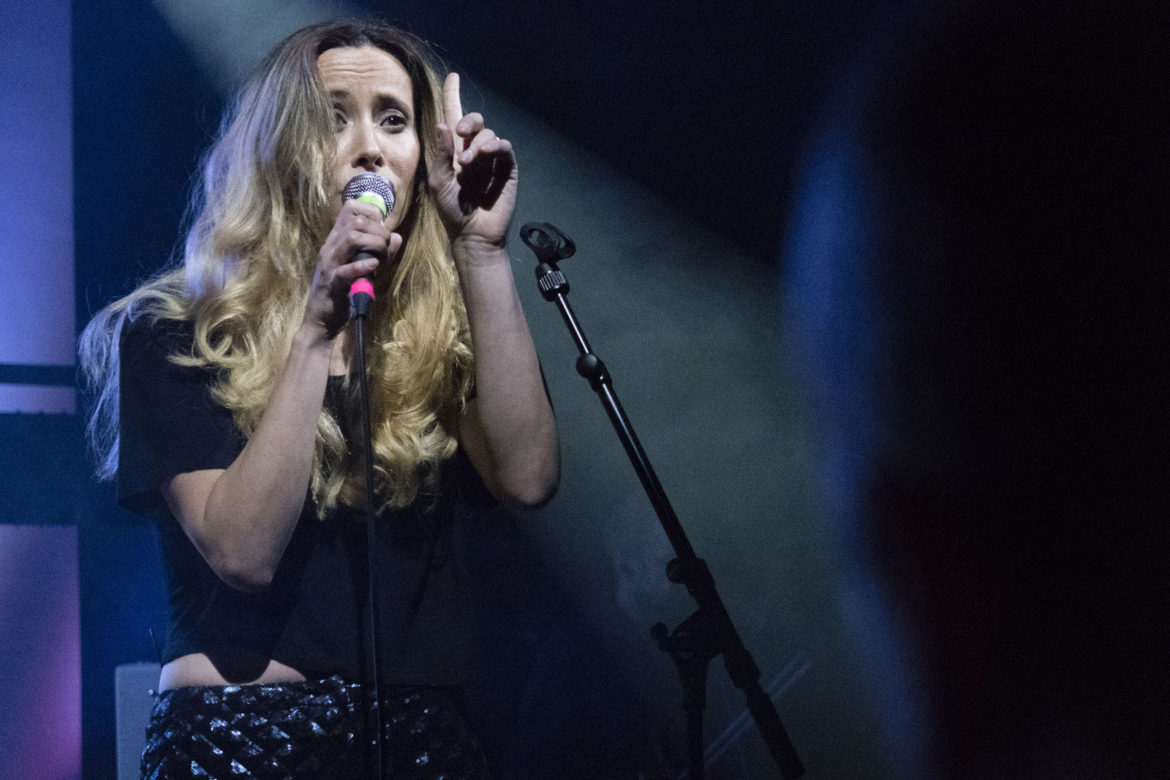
{"x":306,"y":730}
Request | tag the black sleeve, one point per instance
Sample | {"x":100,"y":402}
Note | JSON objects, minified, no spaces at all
{"x":169,"y":423}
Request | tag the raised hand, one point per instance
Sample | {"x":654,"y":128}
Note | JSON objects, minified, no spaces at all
{"x":474,"y":180}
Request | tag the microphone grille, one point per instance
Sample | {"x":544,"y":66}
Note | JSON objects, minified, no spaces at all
{"x":372,"y":187}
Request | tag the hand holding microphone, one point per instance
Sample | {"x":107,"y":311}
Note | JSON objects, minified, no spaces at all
{"x":369,"y":188}
{"x":354,"y":248}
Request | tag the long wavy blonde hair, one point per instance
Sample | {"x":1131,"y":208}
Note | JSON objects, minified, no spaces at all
{"x":257,"y":220}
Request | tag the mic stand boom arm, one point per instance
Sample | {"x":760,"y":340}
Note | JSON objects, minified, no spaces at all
{"x":709,"y":631}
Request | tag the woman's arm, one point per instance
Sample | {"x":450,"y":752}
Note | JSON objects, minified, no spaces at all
{"x":241,"y":518}
{"x":508,"y":429}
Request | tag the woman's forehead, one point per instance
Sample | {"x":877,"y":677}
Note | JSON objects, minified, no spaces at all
{"x":348,"y":68}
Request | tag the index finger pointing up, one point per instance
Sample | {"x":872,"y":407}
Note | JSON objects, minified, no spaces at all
{"x":452,"y":106}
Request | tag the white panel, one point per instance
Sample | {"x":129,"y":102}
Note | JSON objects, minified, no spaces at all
{"x":29,"y":399}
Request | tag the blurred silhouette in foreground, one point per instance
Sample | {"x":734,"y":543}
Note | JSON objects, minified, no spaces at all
{"x":978,"y":278}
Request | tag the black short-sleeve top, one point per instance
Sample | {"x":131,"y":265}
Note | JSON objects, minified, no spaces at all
{"x":312,"y":615}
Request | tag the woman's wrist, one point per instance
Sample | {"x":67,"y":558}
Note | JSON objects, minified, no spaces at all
{"x":312,"y":340}
{"x":476,"y":251}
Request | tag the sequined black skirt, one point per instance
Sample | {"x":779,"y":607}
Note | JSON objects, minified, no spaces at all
{"x":307,"y":730}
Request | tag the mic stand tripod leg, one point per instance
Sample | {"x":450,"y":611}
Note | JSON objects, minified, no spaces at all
{"x":691,"y":648}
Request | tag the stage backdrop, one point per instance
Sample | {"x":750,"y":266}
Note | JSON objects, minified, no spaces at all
{"x":662,"y":144}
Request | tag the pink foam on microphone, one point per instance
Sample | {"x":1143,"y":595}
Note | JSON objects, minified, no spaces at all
{"x":361,"y":286}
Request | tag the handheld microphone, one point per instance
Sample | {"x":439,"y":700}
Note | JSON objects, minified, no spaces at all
{"x":369,"y":188}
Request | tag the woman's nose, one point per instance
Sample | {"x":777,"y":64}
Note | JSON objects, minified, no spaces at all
{"x":364,"y":150}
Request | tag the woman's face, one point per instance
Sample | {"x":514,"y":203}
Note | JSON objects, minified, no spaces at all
{"x":373,"y":114}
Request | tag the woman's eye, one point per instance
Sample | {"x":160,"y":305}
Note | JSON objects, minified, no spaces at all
{"x":338,"y":120}
{"x":394,"y":120}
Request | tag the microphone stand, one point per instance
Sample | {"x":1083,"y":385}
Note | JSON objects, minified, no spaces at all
{"x":361,"y":296}
{"x":708,"y":632}
{"x":371,"y":188}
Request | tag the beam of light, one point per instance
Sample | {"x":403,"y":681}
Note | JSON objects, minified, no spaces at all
{"x":228,"y":37}
{"x":36,"y":200}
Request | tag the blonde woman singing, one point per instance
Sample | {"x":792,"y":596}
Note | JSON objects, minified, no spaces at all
{"x":226,"y":407}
